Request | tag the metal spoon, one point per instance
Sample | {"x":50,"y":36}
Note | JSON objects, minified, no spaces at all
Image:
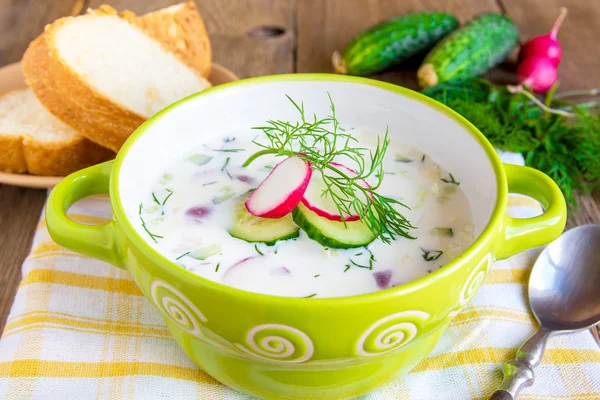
{"x":563,"y":294}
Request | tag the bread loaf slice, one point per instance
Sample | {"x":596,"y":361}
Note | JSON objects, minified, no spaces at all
{"x":178,"y":29}
{"x":33,"y":140}
{"x":102,"y":76}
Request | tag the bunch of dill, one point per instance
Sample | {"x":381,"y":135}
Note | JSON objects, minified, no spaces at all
{"x":564,"y":145}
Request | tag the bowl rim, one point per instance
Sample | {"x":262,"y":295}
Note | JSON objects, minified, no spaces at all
{"x":487,"y":235}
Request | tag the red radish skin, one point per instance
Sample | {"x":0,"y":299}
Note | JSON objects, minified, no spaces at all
{"x":282,"y":189}
{"x":324,"y":207}
{"x":237,"y":265}
{"x":280,"y":271}
{"x":545,"y":45}
{"x":537,"y":73}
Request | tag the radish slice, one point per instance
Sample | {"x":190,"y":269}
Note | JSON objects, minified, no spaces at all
{"x":282,"y":189}
{"x":324,"y":206}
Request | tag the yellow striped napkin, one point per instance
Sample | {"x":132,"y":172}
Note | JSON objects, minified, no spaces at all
{"x":80,"y":329}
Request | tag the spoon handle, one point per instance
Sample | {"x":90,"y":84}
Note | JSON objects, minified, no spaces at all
{"x":516,"y":376}
{"x":519,"y":373}
{"x":502,"y":395}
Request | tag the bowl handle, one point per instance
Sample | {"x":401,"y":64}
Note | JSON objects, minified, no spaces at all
{"x":525,"y":233}
{"x":98,"y":241}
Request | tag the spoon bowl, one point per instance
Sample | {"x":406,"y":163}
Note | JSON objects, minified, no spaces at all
{"x":563,"y":294}
{"x":564,"y":286}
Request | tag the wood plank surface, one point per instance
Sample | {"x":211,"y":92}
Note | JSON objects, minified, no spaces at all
{"x":21,"y":21}
{"x":261,"y":37}
{"x":19,"y":213}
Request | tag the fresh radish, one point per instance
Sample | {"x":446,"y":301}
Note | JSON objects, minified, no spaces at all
{"x":545,"y":45}
{"x":282,"y":189}
{"x":324,"y":206}
{"x":537,"y":73}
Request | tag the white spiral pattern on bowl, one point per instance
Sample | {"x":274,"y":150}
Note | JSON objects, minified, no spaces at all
{"x":389,"y":333}
{"x":276,"y":344}
{"x":177,"y":307}
{"x":475,"y":280}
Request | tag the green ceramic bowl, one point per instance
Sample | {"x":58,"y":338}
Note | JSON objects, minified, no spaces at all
{"x":290,"y":348}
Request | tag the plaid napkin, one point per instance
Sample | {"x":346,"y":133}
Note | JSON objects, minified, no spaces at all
{"x":80,"y":329}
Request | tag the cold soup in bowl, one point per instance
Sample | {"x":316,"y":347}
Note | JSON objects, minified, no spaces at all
{"x":196,"y":215}
{"x":275,"y":288}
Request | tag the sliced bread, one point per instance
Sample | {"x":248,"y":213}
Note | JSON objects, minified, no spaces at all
{"x":179,"y":29}
{"x":102,"y":76}
{"x":32,"y":140}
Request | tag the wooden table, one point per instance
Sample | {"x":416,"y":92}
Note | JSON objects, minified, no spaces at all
{"x":262,"y":37}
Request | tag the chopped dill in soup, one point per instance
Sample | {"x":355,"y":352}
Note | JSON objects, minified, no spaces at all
{"x":308,"y":209}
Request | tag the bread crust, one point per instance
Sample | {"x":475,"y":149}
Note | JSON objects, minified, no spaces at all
{"x":181,"y":32}
{"x":62,"y":158}
{"x":66,"y":95}
{"x":12,"y":158}
{"x":22,"y":153}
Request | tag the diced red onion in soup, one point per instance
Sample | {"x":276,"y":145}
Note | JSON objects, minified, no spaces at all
{"x":245,"y":178}
{"x":383,"y":278}
{"x":198,"y":213}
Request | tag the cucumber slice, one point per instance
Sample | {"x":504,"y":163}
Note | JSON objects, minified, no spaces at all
{"x":199,"y":159}
{"x":224,"y":197}
{"x":442,"y":232}
{"x":225,"y":194}
{"x":263,"y":230}
{"x":401,"y":158}
{"x":205,"y":252}
{"x":332,"y":234}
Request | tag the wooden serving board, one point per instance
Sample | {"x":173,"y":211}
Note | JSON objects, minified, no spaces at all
{"x":11,"y":77}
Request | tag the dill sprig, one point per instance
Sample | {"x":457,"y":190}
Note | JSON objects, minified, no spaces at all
{"x":152,"y":235}
{"x":371,"y":260}
{"x":431,"y":255}
{"x":224,"y":168}
{"x":229,"y":150}
{"x":162,"y":204}
{"x":323,"y":142}
{"x":451,"y":180}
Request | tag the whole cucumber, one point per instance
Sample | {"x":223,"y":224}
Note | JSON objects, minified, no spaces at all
{"x":474,"y":90}
{"x":392,"y":42}
{"x":470,"y":51}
